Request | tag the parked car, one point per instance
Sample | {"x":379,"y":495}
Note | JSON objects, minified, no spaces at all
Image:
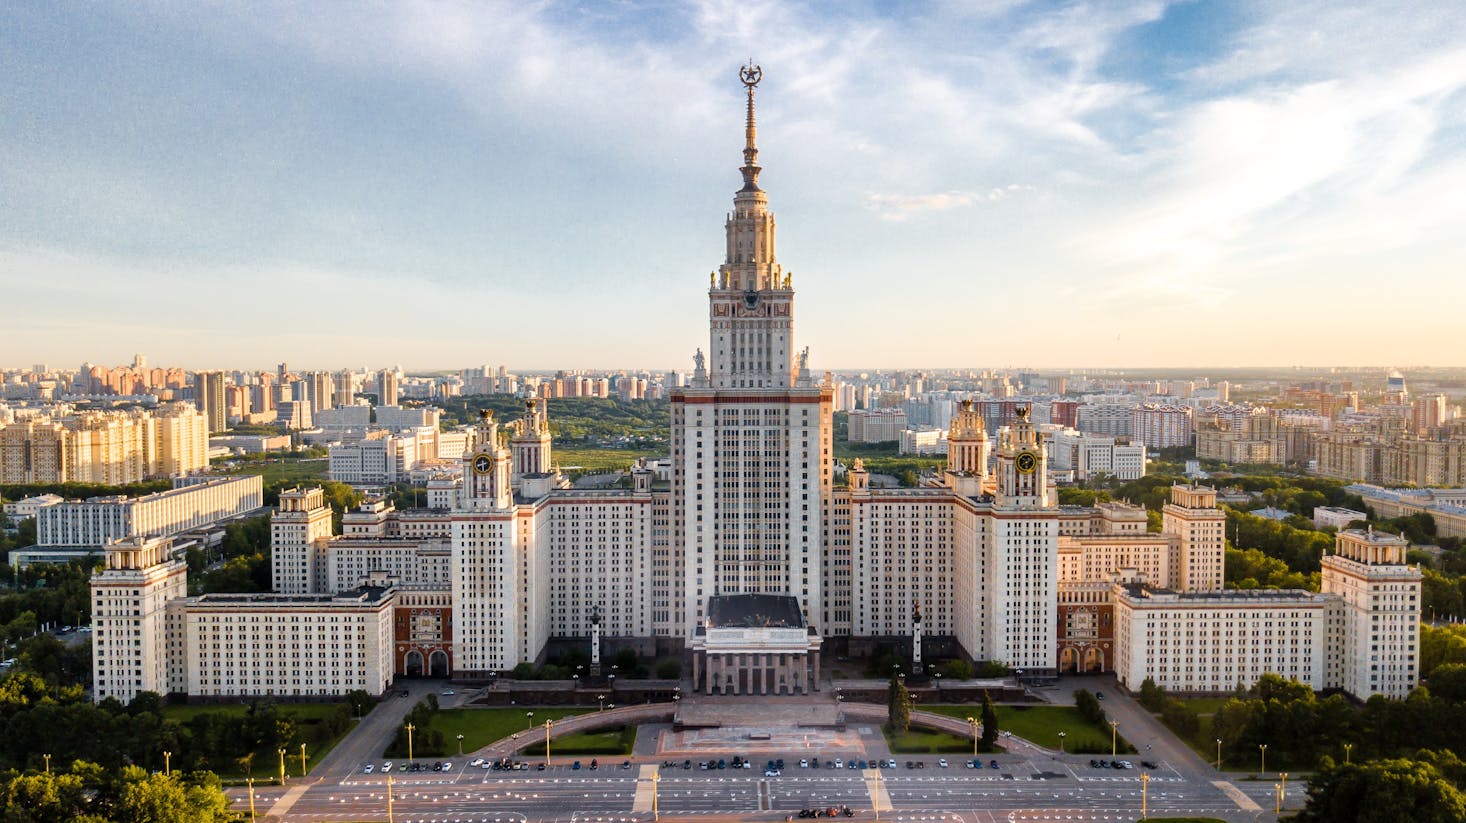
{"x":942,"y":763}
{"x":370,"y":767}
{"x":575,"y":767}
{"x":1148,"y":764}
{"x":386,"y":767}
{"x":993,"y":764}
{"x":803,"y":763}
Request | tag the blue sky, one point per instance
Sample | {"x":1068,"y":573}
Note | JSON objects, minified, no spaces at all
{"x":543,"y":185}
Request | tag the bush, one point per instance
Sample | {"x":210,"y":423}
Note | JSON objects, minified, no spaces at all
{"x":1089,"y":707}
{"x":669,"y":669}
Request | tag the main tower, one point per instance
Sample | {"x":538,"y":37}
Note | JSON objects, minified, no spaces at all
{"x":751,"y":435}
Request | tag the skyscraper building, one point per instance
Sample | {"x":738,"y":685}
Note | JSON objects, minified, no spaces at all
{"x":208,"y":396}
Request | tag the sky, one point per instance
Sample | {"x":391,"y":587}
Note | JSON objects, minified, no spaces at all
{"x":982,"y":184}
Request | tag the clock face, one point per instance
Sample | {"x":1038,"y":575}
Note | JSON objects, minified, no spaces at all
{"x":482,"y":463}
{"x":1026,"y":462}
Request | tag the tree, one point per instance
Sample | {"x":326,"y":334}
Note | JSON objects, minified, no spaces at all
{"x":957,"y":669}
{"x":899,"y":721}
{"x":1152,"y":697}
{"x":1089,"y":707}
{"x":1448,"y":682}
{"x":1383,"y":791}
{"x":989,"y":722}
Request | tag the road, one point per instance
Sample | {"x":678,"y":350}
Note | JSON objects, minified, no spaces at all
{"x":1030,"y":787}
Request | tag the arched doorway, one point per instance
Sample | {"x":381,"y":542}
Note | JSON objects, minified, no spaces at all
{"x":1094,"y":660}
{"x":1068,"y":660}
{"x":438,"y":664}
{"x":413,"y":664}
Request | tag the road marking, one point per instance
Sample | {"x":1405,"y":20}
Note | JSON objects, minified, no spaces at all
{"x":1237,"y":796}
{"x":642,"y":801}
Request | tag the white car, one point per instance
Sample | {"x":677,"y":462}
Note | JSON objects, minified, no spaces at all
{"x":369,"y":768}
{"x":449,"y":692}
{"x":386,"y":767}
{"x":942,"y":763}
{"x":803,"y":763}
{"x":839,"y":764}
{"x":772,"y":773}
{"x":477,"y":761}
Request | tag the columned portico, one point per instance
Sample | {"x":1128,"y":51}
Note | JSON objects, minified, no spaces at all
{"x":755,"y":644}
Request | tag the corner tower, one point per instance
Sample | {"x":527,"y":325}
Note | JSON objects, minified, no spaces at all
{"x":751,"y":442}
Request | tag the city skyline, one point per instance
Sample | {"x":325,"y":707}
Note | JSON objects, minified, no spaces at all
{"x":481,"y":183}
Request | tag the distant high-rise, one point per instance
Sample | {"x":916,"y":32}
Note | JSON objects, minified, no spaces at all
{"x":387,"y":386}
{"x":208,"y":396}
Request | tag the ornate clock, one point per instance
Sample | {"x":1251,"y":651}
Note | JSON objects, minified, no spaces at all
{"x":1026,"y":462}
{"x":482,"y":463}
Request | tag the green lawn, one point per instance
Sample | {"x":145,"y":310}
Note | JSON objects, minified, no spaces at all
{"x":1042,"y":724}
{"x":480,"y":727}
{"x":281,"y":473}
{"x":302,"y":712}
{"x":617,"y":740}
{"x":589,"y":460}
{"x":925,"y":741}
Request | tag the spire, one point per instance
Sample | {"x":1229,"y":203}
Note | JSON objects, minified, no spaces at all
{"x":750,"y":75}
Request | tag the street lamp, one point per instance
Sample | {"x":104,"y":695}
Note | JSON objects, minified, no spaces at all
{"x":1282,"y":788}
{"x":1062,"y":735}
{"x":48,"y":762}
{"x":972,"y":721}
{"x":547,"y":742}
{"x":1144,"y":795}
{"x":167,"y":764}
{"x":1114,"y":737}
{"x":410,"y":727}
{"x":529,"y":718}
{"x":251,"y":783}
{"x":1347,"y":747}
{"x":602,"y":699}
{"x":1219,"y":754}
{"x":460,"y":744}
{"x":656,"y":814}
{"x":302,"y":760}
{"x":1277,"y":798}
{"x":282,"y":766}
{"x":875,"y":795}
{"x":1262,"y":747}
{"x":389,"y":801}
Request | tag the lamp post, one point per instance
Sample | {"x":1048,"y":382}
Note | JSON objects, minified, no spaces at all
{"x":48,"y":762}
{"x":1114,"y":737}
{"x":1262,"y":747}
{"x":302,"y":760}
{"x":656,"y":814}
{"x":601,"y":698}
{"x":972,"y":721}
{"x":529,"y":718}
{"x":1144,"y":795}
{"x":547,"y":742}
{"x":1277,"y":798}
{"x":1282,"y":789}
{"x":167,"y":764}
{"x":1347,"y":747}
{"x":1062,"y":735}
{"x":1219,"y":754}
{"x":251,"y":783}
{"x":460,"y":744}
{"x":875,"y":795}
{"x":282,"y":766}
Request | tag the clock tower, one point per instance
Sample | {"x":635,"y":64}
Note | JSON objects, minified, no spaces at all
{"x":1022,"y":555}
{"x":486,"y":468}
{"x":1023,"y":474}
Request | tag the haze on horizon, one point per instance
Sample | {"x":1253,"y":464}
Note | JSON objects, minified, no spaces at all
{"x":444,"y":185}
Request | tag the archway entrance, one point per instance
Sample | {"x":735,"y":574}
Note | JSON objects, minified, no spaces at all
{"x":413,"y":664}
{"x":1068,"y":660}
{"x":438,"y":663}
{"x":1094,"y":660}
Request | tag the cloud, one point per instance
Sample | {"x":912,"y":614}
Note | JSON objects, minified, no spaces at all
{"x":905,"y":206}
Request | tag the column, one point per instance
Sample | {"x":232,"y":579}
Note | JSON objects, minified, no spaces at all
{"x":695,"y":667}
{"x":815,"y":686}
{"x":765,"y":671}
{"x":711,"y":673}
{"x":737,"y":673}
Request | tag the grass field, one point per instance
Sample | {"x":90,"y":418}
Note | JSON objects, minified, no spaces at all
{"x":926,"y":741}
{"x":480,"y":727}
{"x":592,"y":460}
{"x":1042,"y":724}
{"x":278,"y":473}
{"x":613,"y":741}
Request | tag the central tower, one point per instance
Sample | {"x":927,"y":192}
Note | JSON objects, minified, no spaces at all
{"x":751,"y":465}
{"x":750,"y":302}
